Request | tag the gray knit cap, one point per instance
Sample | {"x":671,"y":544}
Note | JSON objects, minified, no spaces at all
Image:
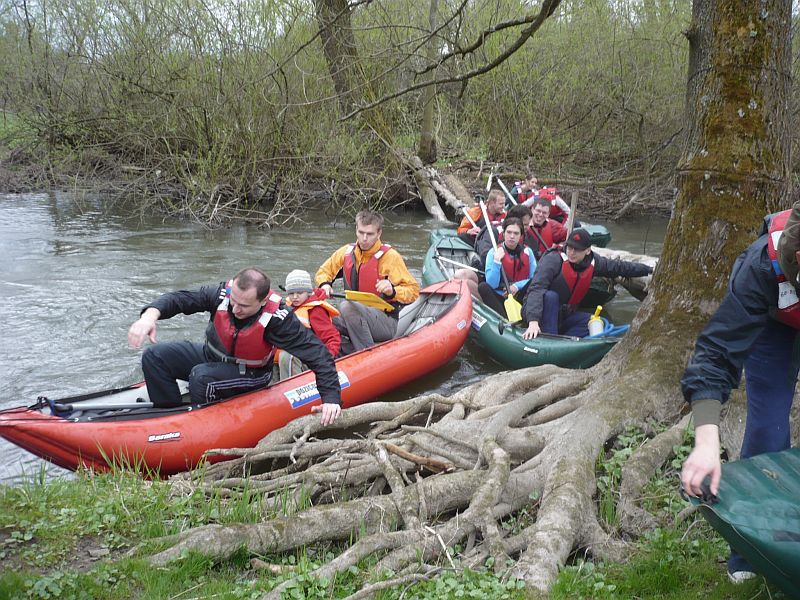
{"x":789,"y":244}
{"x":298,"y":281}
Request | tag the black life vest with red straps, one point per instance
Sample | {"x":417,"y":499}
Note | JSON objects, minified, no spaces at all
{"x":577,"y":282}
{"x":516,"y":266}
{"x":788,"y":309}
{"x":245,"y":346}
{"x":364,"y":278}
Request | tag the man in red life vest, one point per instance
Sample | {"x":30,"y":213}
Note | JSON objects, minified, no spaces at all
{"x":369,"y":265}
{"x":495,"y":207}
{"x":311,"y":308}
{"x":545,"y":231}
{"x":559,"y":210}
{"x":561,"y":282}
{"x":248,"y":322}
{"x":754,"y":330}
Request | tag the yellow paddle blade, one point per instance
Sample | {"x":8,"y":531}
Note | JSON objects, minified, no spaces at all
{"x":368,"y":299}
{"x":513,"y":309}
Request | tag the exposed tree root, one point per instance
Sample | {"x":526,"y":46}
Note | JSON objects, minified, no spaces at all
{"x":638,"y":471}
{"x":504,"y":468}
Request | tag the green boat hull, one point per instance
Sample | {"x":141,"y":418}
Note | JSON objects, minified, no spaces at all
{"x":508,"y":348}
{"x":758,"y":514}
{"x":601,"y":236}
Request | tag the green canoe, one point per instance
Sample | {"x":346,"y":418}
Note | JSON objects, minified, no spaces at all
{"x":758,"y":514}
{"x":501,"y":340}
{"x":448,"y":245}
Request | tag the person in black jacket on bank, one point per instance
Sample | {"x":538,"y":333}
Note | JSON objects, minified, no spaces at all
{"x":248,"y":323}
{"x":754,"y":331}
{"x":562,"y":280}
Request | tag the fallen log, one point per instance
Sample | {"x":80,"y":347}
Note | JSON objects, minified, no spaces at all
{"x":636,"y":286}
{"x":423,"y":182}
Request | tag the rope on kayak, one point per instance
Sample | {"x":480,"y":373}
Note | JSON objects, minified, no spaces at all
{"x":609,"y":330}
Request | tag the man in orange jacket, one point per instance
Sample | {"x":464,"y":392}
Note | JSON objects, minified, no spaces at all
{"x":495,"y":207}
{"x":369,"y":265}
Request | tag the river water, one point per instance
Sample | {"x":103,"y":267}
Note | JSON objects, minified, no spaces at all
{"x":76,"y":272}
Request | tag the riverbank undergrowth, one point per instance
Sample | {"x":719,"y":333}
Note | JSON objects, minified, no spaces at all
{"x":84,"y":537}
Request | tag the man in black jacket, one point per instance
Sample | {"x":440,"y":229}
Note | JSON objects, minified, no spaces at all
{"x":755,"y":330}
{"x":247,"y":324}
{"x":561,"y":282}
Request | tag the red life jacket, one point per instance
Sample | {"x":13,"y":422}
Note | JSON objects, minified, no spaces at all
{"x":551,"y":195}
{"x":546,"y":233}
{"x":523,"y":196}
{"x":578,"y":282}
{"x":548,"y":193}
{"x":364,"y":278}
{"x":517,"y":267}
{"x":788,"y":309}
{"x":246,"y":346}
{"x":496,"y":221}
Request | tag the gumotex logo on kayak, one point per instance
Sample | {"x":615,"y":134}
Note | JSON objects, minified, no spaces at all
{"x":164,"y":437}
{"x":302,"y":395}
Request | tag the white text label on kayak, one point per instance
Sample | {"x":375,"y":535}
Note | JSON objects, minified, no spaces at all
{"x":164,"y":437}
{"x":304,"y":394}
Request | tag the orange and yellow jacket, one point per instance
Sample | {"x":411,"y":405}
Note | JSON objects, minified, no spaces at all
{"x":391,"y":266}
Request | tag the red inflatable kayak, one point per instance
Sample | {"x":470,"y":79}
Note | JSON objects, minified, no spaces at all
{"x":121,"y":426}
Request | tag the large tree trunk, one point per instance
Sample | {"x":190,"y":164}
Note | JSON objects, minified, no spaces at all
{"x":537,"y":434}
{"x":353,"y":85}
{"x":339,"y":47}
{"x":427,"y":138}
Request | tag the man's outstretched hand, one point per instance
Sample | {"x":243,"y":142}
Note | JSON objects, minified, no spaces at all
{"x":329,"y":412}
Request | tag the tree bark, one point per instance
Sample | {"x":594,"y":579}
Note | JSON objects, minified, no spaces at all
{"x":339,"y":47}
{"x":427,"y":138}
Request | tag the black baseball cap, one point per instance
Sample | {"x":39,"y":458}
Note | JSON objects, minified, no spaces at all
{"x":579,"y":239}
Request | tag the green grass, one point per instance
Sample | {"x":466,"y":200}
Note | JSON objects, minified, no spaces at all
{"x":72,"y":539}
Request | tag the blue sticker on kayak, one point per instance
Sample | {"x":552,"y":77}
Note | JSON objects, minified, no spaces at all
{"x":302,"y":395}
{"x":477,"y":321}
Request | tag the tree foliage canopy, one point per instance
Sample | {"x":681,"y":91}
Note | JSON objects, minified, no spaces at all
{"x":223,"y":99}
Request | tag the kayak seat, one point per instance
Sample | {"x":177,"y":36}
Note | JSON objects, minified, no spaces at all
{"x":423,"y":311}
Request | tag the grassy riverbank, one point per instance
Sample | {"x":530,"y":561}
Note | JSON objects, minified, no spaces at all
{"x":88,"y":537}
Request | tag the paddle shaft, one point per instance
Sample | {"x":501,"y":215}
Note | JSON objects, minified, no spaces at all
{"x":505,"y":191}
{"x":494,"y":245}
{"x":502,"y":270}
{"x":455,"y":262}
